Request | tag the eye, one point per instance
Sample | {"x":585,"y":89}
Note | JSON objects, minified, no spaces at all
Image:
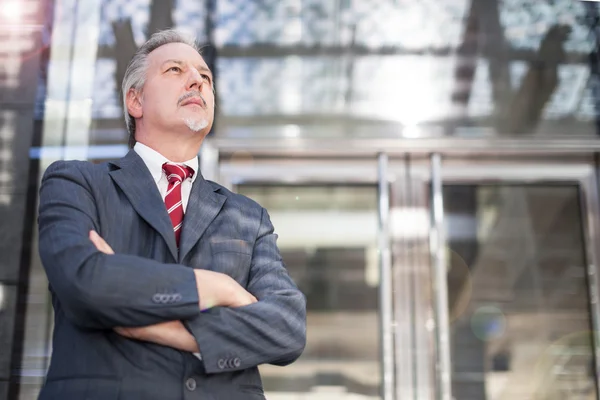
{"x":205,"y":77}
{"x":174,"y":69}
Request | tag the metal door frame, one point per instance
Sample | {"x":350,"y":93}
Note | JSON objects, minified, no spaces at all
{"x":583,"y":174}
{"x":456,"y":170}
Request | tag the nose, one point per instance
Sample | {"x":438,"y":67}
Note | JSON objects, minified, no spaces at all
{"x":195,"y":80}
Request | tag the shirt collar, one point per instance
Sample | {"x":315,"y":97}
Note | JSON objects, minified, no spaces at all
{"x":154,"y":161}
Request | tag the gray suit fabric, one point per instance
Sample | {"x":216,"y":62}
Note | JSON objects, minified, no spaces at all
{"x":149,"y":281}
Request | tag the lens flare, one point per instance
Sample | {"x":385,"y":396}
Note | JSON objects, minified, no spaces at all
{"x":488,"y":323}
{"x":12,"y":10}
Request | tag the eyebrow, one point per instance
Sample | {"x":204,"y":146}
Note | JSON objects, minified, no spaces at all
{"x":178,"y":62}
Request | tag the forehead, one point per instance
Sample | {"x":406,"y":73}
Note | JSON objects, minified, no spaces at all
{"x":175,"y":51}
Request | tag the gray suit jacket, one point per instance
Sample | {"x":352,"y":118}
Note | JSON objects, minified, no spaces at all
{"x":148,"y":281}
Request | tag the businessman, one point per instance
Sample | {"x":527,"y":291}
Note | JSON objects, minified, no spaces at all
{"x":164,"y":285}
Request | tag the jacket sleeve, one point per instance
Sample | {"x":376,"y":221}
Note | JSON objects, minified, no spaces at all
{"x":96,"y":290}
{"x":272,"y":330}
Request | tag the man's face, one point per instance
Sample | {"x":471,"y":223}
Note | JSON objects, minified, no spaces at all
{"x":178,"y":90}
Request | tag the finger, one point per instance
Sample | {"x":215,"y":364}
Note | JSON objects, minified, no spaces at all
{"x":106,"y":248}
{"x":100,"y":243}
{"x":249,"y":300}
{"x":121,"y":331}
{"x":242,"y":301}
{"x":96,"y":240}
{"x":126,"y":332}
{"x":103,"y":247}
{"x":135,"y":333}
{"x":94,"y":237}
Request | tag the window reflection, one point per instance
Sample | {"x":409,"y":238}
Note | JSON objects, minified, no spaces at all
{"x":518,"y":294}
{"x":499,"y":67}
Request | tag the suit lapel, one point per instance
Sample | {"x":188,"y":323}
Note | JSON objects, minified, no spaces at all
{"x":203,"y":206}
{"x":135,"y":180}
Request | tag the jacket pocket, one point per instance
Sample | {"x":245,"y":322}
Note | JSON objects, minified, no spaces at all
{"x":91,"y":388}
{"x":231,"y":246}
{"x":232,"y":257}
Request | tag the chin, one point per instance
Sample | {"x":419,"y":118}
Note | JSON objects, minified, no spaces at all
{"x":196,"y":124}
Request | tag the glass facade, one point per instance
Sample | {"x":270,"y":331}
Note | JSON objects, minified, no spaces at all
{"x":355,"y":69}
{"x":341,"y":70}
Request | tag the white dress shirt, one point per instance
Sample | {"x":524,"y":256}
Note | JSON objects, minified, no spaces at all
{"x":154,"y":161}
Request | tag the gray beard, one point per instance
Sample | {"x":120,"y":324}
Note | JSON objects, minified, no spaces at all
{"x":195,"y":124}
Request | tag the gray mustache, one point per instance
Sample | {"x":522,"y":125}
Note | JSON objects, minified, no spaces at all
{"x":192,"y":94}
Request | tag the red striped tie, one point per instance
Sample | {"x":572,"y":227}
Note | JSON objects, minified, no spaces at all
{"x":175,"y":175}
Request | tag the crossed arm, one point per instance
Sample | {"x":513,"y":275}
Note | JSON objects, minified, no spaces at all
{"x":100,"y":290}
{"x":170,"y":333}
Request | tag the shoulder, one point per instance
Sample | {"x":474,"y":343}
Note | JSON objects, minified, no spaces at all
{"x":243,"y":205}
{"x":76,"y":170}
{"x":236,"y":199}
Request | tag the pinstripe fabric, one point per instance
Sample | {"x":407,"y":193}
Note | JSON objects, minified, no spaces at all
{"x":149,"y":281}
{"x":176,"y":174}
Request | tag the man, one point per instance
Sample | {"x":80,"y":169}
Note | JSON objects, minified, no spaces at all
{"x":164,"y":285}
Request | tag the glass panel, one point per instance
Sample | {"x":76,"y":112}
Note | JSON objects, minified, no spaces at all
{"x":307,"y":68}
{"x":518,"y":293}
{"x":497,"y":67}
{"x":526,"y":22}
{"x":327,"y":237}
{"x":371,"y":23}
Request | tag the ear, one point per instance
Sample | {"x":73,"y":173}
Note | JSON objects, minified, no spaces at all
{"x":134,"y":103}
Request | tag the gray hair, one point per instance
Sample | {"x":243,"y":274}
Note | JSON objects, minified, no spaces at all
{"x":135,"y":74}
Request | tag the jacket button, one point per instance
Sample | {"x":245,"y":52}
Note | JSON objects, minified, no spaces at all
{"x":237,"y":362}
{"x":190,"y":384}
{"x":221,"y":363}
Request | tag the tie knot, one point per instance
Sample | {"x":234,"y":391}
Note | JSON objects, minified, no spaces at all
{"x":177,"y":173}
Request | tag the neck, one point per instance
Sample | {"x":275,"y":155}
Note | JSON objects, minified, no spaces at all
{"x":175,"y":147}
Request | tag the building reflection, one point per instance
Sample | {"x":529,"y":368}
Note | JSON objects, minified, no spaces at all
{"x":343,"y":75}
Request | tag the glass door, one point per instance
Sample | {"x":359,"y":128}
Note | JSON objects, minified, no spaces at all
{"x":325,"y":215}
{"x":431,"y":278}
{"x":518,"y":261}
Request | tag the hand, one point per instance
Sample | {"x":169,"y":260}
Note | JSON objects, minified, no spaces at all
{"x":131,"y":333}
{"x":219,"y":290}
{"x":172,"y":334}
{"x":100,"y":243}
{"x":214,"y":289}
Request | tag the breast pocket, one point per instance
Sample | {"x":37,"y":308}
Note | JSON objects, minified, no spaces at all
{"x":232,"y":257}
